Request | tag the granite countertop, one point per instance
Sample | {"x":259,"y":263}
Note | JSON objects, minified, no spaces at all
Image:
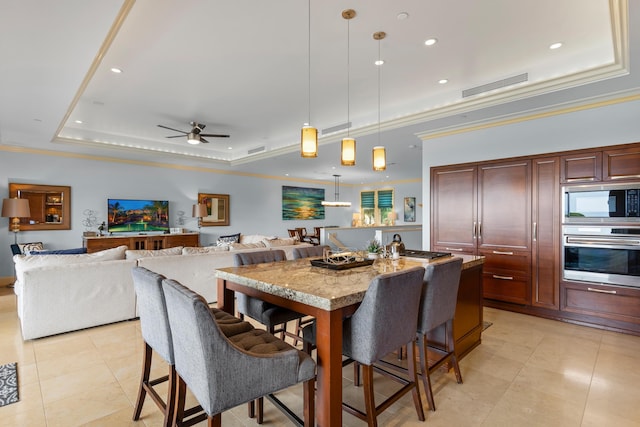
{"x":320,"y":287}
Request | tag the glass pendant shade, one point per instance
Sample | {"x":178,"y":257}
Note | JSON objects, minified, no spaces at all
{"x":348,"y":152}
{"x":309,"y":141}
{"x":379,"y":159}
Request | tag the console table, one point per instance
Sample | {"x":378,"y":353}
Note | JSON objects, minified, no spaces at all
{"x":141,"y":241}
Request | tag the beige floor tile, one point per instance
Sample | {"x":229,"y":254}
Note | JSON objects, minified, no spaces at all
{"x":72,"y":383}
{"x":607,"y":396}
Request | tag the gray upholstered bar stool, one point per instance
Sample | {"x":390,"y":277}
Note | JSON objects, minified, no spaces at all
{"x":225,"y":372}
{"x":385,"y":320}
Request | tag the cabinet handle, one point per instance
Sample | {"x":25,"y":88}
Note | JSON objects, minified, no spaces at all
{"x":535,"y":231}
{"x":453,"y":249}
{"x":602,"y":291}
{"x":495,"y":276}
{"x":474,"y":229}
{"x":480,"y":230}
{"x":502,"y":253}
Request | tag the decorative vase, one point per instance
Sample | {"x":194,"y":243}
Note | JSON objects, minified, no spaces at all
{"x":372,"y":255}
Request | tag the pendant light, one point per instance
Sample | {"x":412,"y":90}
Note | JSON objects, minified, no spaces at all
{"x":379,"y":152}
{"x":336,"y":203}
{"x":348,"y":146}
{"x":309,"y":134}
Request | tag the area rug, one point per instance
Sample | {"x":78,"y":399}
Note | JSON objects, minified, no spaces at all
{"x":8,"y":384}
{"x":486,"y":324}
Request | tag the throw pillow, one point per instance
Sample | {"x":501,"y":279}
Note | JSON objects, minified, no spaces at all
{"x":136,"y":254}
{"x":254,"y":238}
{"x":226,"y":240}
{"x":279,"y":242}
{"x":26,"y":248}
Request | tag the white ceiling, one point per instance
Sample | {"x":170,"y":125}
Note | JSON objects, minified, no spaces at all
{"x":241,"y":68}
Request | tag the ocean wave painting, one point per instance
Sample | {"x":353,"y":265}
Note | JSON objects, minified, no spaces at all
{"x":302,"y":203}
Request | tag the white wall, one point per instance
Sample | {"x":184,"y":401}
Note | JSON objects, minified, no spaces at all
{"x":609,"y":125}
{"x":255,"y":202}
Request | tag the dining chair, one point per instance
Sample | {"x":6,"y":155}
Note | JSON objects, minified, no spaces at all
{"x":438,"y":307}
{"x":386,"y":319}
{"x":223,"y":372}
{"x":156,"y":333}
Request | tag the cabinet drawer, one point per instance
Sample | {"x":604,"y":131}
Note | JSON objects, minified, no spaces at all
{"x":507,"y":262}
{"x":453,"y":249}
{"x":611,"y":302}
{"x":507,"y":288}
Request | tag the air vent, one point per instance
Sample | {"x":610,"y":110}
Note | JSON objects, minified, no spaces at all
{"x":496,"y":85}
{"x":256,"y":150}
{"x":336,"y":128}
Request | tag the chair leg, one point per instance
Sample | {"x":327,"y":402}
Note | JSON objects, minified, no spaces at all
{"x":171,"y":397}
{"x":369,"y":398}
{"x":144,"y":379}
{"x":357,"y":380}
{"x":309,"y":395}
{"x":452,"y":349}
{"x":424,"y":368}
{"x":181,"y":393}
{"x":413,"y":376}
{"x":260,"y":410}
{"x":215,"y":420}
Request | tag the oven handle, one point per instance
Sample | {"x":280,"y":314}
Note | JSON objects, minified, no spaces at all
{"x":602,"y":240}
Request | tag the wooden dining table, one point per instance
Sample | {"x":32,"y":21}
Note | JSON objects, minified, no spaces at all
{"x":326,"y":294}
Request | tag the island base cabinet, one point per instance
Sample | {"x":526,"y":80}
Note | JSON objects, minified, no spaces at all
{"x":615,"y":303}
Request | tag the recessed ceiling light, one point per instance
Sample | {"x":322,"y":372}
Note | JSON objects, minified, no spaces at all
{"x":430,"y":42}
{"x":443,"y":81}
{"x":379,"y":62}
{"x":402,"y":15}
{"x":229,"y":148}
{"x":116,"y":70}
{"x":78,"y":121}
{"x":557,"y":45}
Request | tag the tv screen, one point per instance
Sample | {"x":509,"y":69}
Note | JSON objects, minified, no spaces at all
{"x":137,"y":216}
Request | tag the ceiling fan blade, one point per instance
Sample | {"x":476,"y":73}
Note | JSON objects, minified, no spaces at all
{"x":203,"y":140}
{"x":175,"y":136}
{"x":214,"y":135}
{"x":175,"y":130}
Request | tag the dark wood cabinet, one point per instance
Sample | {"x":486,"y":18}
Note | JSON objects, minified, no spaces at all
{"x":621,"y":164}
{"x":613,"y":303}
{"x":545,"y":239}
{"x":581,"y":167}
{"x":138,"y":242}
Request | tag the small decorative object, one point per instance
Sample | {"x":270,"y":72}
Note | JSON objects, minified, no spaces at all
{"x":101,"y":228}
{"x":373,"y":248}
{"x":409,"y":209}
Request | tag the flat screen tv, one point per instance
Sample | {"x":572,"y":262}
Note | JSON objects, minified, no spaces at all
{"x":137,"y":216}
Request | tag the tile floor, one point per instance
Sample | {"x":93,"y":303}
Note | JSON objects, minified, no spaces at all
{"x":527,"y":372}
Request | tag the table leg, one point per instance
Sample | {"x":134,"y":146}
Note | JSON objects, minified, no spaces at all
{"x":226,"y":297}
{"x":329,"y":380}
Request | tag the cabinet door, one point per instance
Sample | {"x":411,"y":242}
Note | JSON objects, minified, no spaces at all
{"x":622,"y":164}
{"x":545,"y":241}
{"x":453,"y":208}
{"x":583,"y":167}
{"x":504,"y":205}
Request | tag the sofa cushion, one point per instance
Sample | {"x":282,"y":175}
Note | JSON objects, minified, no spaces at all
{"x":238,"y":246}
{"x":254,"y":238}
{"x":143,"y":253}
{"x":280,"y":242}
{"x":189,"y":250}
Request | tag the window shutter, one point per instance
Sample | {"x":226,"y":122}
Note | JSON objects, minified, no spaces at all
{"x":367,"y":199}
{"x":385,"y":199}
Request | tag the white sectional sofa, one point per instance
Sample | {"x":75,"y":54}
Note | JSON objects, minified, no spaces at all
{"x":62,"y":293}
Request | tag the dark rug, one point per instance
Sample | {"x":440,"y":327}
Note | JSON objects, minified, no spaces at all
{"x":8,"y":384}
{"x":486,"y":324}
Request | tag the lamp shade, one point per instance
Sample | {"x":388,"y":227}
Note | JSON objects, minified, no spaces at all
{"x":16,"y":208}
{"x":199,"y":210}
{"x":309,"y":141}
{"x":379,"y":159}
{"x":348,"y":152}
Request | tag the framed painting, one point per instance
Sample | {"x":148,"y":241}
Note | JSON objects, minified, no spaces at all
{"x":217,"y":209}
{"x":409,"y":209}
{"x":301,"y":203}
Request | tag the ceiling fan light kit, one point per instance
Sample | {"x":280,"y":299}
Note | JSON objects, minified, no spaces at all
{"x":195,"y":136}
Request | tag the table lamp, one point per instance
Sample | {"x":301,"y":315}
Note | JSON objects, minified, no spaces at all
{"x":15,"y":209}
{"x":392,"y":218}
{"x":199,"y":212}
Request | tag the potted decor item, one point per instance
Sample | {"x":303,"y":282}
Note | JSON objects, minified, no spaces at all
{"x":373,"y":249}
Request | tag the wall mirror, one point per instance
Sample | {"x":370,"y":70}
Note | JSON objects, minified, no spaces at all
{"x":50,"y":206}
{"x":217,"y":209}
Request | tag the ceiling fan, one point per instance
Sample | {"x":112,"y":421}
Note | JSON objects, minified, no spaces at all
{"x":195,"y":135}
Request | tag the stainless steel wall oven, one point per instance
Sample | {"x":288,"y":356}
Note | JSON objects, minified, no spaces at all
{"x":602,"y":254}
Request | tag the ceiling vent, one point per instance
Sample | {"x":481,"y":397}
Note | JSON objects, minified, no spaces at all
{"x":336,"y":128}
{"x":496,"y":85}
{"x":256,"y":150}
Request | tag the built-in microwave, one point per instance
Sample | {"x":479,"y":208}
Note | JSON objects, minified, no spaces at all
{"x":601,"y":203}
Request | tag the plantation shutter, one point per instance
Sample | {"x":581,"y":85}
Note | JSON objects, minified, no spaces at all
{"x":385,"y":199}
{"x":367,"y":199}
